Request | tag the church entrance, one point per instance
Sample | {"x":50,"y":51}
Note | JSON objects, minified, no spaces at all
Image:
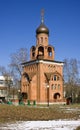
{"x":56,"y":96}
{"x":24,"y":95}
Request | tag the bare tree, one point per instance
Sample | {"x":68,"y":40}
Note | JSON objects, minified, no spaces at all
{"x":71,"y":72}
{"x":16,"y":59}
{"x":71,"y":77}
{"x":3,"y":70}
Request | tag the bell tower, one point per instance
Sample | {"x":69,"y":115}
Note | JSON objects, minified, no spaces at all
{"x":42,"y":76}
{"x":42,"y":50}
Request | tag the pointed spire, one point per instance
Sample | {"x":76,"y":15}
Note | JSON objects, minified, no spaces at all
{"x":42,"y":16}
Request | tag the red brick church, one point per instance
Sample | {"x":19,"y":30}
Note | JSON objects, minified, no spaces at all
{"x":42,"y":77}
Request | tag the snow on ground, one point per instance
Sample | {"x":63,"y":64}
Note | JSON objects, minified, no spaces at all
{"x":42,"y":125}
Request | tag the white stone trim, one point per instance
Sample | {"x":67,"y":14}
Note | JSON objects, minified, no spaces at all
{"x":50,"y":62}
{"x":44,"y":62}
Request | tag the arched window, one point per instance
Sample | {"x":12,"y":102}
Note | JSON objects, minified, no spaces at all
{"x":33,"y":54}
{"x":56,"y":78}
{"x":33,"y":51}
{"x":33,"y":48}
{"x":58,"y":86}
{"x":41,"y":51}
{"x":53,"y":86}
{"x":27,"y":77}
{"x":49,"y":51}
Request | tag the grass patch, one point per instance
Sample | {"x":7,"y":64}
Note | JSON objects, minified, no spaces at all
{"x":10,"y":113}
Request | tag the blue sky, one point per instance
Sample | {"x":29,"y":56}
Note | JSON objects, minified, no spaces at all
{"x":20,"y":18}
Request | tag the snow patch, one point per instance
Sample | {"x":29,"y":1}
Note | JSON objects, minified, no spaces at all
{"x":43,"y":125}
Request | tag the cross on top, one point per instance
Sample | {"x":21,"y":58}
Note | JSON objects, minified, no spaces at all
{"x":42,"y":16}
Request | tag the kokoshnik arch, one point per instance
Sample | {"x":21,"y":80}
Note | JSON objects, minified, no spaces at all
{"x":42,"y":77}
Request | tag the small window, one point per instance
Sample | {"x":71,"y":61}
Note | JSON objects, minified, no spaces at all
{"x":58,"y":86}
{"x":33,"y":48}
{"x":33,"y":51}
{"x":2,"y":82}
{"x":53,"y":87}
{"x":41,"y":39}
{"x":55,"y":78}
{"x":33,"y":54}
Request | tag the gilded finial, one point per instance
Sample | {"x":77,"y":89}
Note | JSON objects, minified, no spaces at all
{"x":42,"y":16}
